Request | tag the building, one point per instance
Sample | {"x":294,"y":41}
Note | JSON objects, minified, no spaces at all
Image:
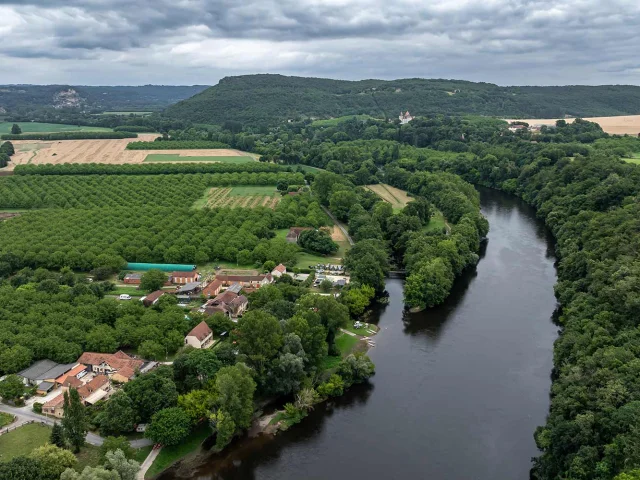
{"x":212,"y":289}
{"x":200,"y":337}
{"x":183,"y":278}
{"x":110,"y":363}
{"x":44,"y":371}
{"x":235,"y":288}
{"x":123,"y":375}
{"x":132,"y":278}
{"x":54,"y":406}
{"x":73,"y":376}
{"x":190,"y":288}
{"x":294,"y":233}
{"x":246,"y":280}
{"x":238,"y":305}
{"x":95,"y":390}
{"x":279,"y":271}
{"x":405,"y":117}
{"x":152,"y":298}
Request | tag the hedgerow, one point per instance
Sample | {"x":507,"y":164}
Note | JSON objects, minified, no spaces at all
{"x":176,"y":145}
{"x":71,"y":136}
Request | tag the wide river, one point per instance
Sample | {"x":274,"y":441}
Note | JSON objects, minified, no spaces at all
{"x":458,"y":390}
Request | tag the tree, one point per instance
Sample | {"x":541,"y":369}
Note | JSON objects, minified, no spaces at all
{"x":356,"y":369}
{"x":11,"y":388}
{"x":341,"y":202}
{"x":90,"y":473}
{"x":334,"y":387}
{"x":117,"y":461}
{"x":197,"y":404}
{"x":169,"y":426}
{"x":317,"y":241}
{"x":20,"y":468}
{"x":74,"y":420}
{"x":119,"y":415}
{"x":53,"y":461}
{"x":225,"y":428}
{"x":151,"y":393}
{"x":357,"y":299}
{"x":111,"y":444}
{"x":235,"y":387}
{"x":260,"y":338}
{"x":14,"y":359}
{"x":195,"y":368}
{"x":153,"y":280}
{"x":152,"y":350}
{"x":326,"y":285}
{"x":429,"y":283}
{"x":15,"y":129}
{"x":57,"y":436}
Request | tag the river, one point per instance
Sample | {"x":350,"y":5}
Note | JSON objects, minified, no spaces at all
{"x":458,"y":390}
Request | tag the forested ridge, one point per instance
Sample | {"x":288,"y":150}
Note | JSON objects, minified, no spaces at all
{"x":271,"y":99}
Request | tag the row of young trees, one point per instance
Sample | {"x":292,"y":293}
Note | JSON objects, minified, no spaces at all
{"x":78,"y":135}
{"x":159,"y":144}
{"x":65,"y":191}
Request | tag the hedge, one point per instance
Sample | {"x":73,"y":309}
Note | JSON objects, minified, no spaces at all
{"x":176,"y":145}
{"x":70,"y":136}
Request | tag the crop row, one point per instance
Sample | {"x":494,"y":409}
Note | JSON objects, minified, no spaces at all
{"x":176,"y":145}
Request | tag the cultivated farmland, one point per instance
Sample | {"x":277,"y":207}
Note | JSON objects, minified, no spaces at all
{"x":620,"y":125}
{"x":247,"y":196}
{"x":36,"y":127}
{"x":110,"y":152}
{"x":396,"y":197}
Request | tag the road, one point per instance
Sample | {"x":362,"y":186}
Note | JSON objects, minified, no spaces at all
{"x":24,"y":415}
{"x":340,"y":225}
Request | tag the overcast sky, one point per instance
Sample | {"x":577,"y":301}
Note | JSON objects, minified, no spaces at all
{"x":131,"y":42}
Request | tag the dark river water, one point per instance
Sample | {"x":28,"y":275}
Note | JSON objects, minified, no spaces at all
{"x":458,"y":390}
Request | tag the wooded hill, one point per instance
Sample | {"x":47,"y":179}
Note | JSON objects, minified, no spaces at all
{"x":270,"y":99}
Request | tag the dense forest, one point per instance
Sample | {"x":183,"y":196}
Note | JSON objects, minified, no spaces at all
{"x":271,"y":99}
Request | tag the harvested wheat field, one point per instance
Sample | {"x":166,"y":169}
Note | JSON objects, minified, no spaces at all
{"x":396,"y":197}
{"x":243,"y":196}
{"x":99,"y":151}
{"x":621,"y":125}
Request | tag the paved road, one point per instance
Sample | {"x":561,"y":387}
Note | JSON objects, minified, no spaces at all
{"x":340,"y":225}
{"x":25,"y":414}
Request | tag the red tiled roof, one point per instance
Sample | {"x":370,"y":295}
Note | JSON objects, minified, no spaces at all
{"x":212,"y":288}
{"x":240,"y":278}
{"x":281,"y":268}
{"x":236,"y":302}
{"x":72,"y":382}
{"x":54,"y":402}
{"x":200,"y":331}
{"x":71,"y":373}
{"x":191,"y":274}
{"x":210,"y":310}
{"x":116,"y":360}
{"x":224,"y":297}
{"x":153,"y":296}
{"x":126,"y":372}
{"x":98,"y":382}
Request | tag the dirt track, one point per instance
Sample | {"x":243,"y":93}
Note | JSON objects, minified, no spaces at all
{"x":626,"y":124}
{"x":98,"y":151}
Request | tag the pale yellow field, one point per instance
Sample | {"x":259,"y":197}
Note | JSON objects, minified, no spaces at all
{"x":621,"y":125}
{"x":396,"y":197}
{"x":98,"y":151}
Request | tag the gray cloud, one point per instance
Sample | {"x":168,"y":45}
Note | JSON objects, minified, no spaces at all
{"x":198,"y":41}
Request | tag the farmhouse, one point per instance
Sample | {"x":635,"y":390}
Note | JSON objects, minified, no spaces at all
{"x":110,"y":363}
{"x":152,"y":298}
{"x":212,"y":289}
{"x":405,"y":118}
{"x":182,"y":278}
{"x":73,"y":376}
{"x":200,"y":337}
{"x":279,"y":271}
{"x":95,"y":390}
{"x":294,"y":233}
{"x":54,"y":406}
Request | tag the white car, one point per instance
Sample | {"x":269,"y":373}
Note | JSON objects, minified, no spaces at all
{"x":124,"y":296}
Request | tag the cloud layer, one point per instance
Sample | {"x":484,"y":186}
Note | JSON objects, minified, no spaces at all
{"x":199,"y":41}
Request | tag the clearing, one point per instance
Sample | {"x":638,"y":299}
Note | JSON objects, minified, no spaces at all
{"x":36,"y":127}
{"x":226,"y":156}
{"x":634,"y":159}
{"x":23,"y":440}
{"x":620,"y":125}
{"x":332,"y":122}
{"x":110,"y":151}
{"x":396,"y":197}
{"x":247,"y":196}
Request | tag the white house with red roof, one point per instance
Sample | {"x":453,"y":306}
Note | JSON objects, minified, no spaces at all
{"x":405,"y":117}
{"x":200,"y":337}
{"x":279,"y":271}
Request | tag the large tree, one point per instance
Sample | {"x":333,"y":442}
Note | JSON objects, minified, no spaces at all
{"x":53,"y":461}
{"x":317,"y":241}
{"x":234,"y":388}
{"x":151,"y":393}
{"x":169,"y":426}
{"x":15,"y":129}
{"x":11,"y":388}
{"x":119,"y":415}
{"x":74,"y":421}
{"x":260,"y":337}
{"x":153,"y":280}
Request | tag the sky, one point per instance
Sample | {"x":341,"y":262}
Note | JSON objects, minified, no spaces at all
{"x":134,"y":42}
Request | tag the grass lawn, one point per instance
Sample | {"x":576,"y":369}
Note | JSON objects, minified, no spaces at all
{"x":169,"y":157}
{"x":133,"y":291}
{"x":142,"y":453}
{"x":305,"y":259}
{"x":332,"y":122}
{"x":23,"y":440}
{"x":35,"y":127}
{"x":346,"y":344}
{"x":309,"y":168}
{"x":89,"y":456}
{"x":5,"y":419}
{"x":436,"y":224}
{"x":169,"y":455}
{"x":361,"y":331}
{"x":253,"y":190}
{"x":634,"y":159}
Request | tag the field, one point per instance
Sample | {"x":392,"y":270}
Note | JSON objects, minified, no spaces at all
{"x":112,"y":152}
{"x":436,"y":224}
{"x":621,"y":125}
{"x":332,"y":122}
{"x":163,"y":157}
{"x":35,"y":127}
{"x":396,"y":197}
{"x":247,"y":196}
{"x":23,"y":440}
{"x":635,"y":159}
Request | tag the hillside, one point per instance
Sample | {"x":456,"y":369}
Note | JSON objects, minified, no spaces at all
{"x":24,"y":99}
{"x":259,"y":99}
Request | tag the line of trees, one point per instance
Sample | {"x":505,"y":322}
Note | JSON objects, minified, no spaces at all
{"x":6,"y":150}
{"x":176,"y":145}
{"x":71,"y":136}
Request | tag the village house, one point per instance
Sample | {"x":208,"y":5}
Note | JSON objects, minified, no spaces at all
{"x":73,"y":376}
{"x":200,"y":337}
{"x":212,"y":289}
{"x":132,"y":278}
{"x":54,"y":407}
{"x":405,"y":117}
{"x":152,"y":298}
{"x":228,"y":303}
{"x":279,"y":271}
{"x":246,"y":280}
{"x":294,"y":233}
{"x":95,"y":390}
{"x":110,"y":363}
{"x":183,"y":278}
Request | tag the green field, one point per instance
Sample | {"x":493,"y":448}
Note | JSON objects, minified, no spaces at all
{"x":332,"y":122}
{"x":126,"y":113}
{"x":23,"y":440}
{"x":129,"y":290}
{"x":169,"y":455}
{"x":635,"y":159}
{"x":436,"y":224}
{"x":35,"y":127}
{"x":169,"y":157}
{"x":250,"y":190}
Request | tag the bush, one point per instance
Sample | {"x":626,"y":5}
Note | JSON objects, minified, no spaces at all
{"x":37,"y":407}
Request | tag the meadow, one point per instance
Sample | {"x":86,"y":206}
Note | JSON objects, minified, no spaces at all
{"x":248,"y":196}
{"x":635,"y":159}
{"x":163,"y":157}
{"x":332,"y":122}
{"x":35,"y":127}
{"x":396,"y":197}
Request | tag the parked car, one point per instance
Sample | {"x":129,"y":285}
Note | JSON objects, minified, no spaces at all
{"x":124,"y":296}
